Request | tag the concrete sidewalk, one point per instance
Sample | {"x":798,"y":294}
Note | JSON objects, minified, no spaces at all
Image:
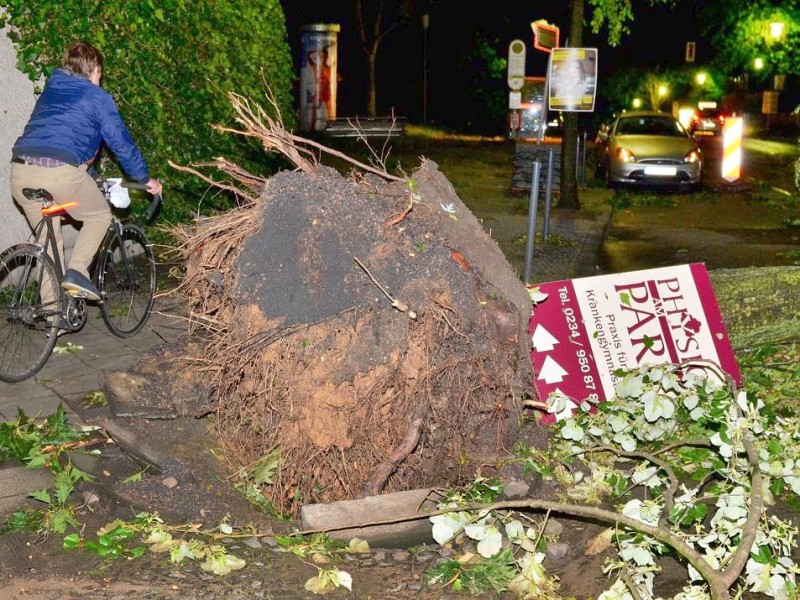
{"x":69,"y":377}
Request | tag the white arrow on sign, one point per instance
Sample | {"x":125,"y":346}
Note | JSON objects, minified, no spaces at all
{"x":551,"y":371}
{"x":543,"y":340}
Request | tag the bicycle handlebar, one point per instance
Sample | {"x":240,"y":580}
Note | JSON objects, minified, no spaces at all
{"x":157,"y":200}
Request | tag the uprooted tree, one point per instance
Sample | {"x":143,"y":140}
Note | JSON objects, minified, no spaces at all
{"x":363,"y":333}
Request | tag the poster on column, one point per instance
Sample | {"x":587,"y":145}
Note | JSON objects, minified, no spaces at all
{"x":586,"y":329}
{"x":318,"y":76}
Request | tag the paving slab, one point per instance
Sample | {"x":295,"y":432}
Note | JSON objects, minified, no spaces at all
{"x":16,"y":482}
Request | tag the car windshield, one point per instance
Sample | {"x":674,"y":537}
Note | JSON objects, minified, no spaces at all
{"x":649,"y":126}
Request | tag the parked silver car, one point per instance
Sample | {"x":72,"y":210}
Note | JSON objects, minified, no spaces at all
{"x":647,"y":148}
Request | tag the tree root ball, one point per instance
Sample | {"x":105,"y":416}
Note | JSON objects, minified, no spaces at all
{"x":371,"y":333}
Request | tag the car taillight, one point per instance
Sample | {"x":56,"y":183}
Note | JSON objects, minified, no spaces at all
{"x":625,"y":155}
{"x":692,"y":156}
{"x":722,"y":119}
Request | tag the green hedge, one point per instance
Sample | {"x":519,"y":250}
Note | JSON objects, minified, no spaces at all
{"x":169,"y":64}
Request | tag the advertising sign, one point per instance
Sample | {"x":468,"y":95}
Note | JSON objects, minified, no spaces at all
{"x":572,"y":79}
{"x":318,"y":76}
{"x":588,"y":328}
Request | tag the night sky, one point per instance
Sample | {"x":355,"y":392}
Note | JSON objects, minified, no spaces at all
{"x":658,"y":34}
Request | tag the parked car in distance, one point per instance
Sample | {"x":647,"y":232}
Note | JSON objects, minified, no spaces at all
{"x":647,"y":148}
{"x":707,"y":121}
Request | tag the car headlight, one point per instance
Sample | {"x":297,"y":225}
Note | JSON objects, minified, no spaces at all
{"x":692,"y":156}
{"x":625,"y":155}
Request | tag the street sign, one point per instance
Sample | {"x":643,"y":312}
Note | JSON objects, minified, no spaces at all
{"x":588,"y":328}
{"x":516,"y":65}
{"x":690,"y":51}
{"x":545,"y":35}
{"x":732,"y":148}
{"x":769,"y":103}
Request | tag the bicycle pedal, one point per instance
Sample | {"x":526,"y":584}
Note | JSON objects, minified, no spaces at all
{"x":81,"y":294}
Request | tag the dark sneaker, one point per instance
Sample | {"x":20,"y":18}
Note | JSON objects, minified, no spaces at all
{"x":79,"y":285}
{"x":61,"y":330}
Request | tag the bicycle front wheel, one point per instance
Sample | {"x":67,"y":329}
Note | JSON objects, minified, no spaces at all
{"x":29,"y":311}
{"x":126,"y":278}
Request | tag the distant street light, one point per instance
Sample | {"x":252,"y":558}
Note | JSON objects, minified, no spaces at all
{"x":776,"y":30}
{"x":662,"y":91}
{"x":426,"y":21}
{"x":637,"y":103}
{"x":701,"y":78}
{"x":758,"y":64}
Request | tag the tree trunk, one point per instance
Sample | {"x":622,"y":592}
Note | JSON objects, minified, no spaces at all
{"x":569,"y":146}
{"x":371,"y":110}
{"x":759,"y":305}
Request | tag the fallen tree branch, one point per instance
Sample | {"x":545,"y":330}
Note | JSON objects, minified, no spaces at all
{"x":66,"y":446}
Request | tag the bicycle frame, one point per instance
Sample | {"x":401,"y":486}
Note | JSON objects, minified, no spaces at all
{"x":115,"y":231}
{"x":50,"y":237}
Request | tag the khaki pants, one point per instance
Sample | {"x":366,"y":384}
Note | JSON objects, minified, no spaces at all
{"x":66,"y":184}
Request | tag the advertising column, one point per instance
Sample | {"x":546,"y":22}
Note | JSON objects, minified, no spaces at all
{"x":318,"y":76}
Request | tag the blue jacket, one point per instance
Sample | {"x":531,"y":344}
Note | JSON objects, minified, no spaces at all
{"x":71,"y":119}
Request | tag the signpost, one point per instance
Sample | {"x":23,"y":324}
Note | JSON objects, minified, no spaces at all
{"x":516,"y":79}
{"x":588,"y":328}
{"x":516,"y":65}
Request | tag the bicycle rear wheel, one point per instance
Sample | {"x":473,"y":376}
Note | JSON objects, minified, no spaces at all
{"x":28,"y":326}
{"x":126,"y":278}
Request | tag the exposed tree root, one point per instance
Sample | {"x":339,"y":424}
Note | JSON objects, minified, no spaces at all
{"x":383,"y":471}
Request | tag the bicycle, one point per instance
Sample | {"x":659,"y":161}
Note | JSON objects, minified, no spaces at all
{"x":35,"y":310}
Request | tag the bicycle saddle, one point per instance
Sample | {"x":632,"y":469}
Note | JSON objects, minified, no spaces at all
{"x":39,"y":194}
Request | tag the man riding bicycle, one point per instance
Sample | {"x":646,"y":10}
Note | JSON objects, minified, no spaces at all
{"x":61,"y":141}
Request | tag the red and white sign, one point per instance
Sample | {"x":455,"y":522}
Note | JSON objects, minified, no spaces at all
{"x":545,"y":35}
{"x":732,"y":148}
{"x":589,"y":328}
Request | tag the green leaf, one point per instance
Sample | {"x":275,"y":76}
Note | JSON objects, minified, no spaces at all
{"x":72,"y":541}
{"x":41,"y":496}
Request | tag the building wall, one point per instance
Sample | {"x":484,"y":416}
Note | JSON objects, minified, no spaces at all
{"x":16,"y":103}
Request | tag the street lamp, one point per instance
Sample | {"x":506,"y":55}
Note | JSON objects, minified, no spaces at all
{"x":776,"y":30}
{"x":637,"y":103}
{"x":426,"y":21}
{"x":701,"y":78}
{"x":758,"y":64}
